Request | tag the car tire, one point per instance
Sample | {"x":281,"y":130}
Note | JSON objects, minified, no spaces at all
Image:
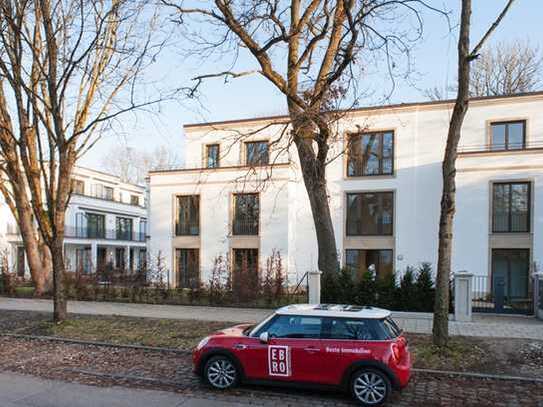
{"x":221,"y":373}
{"x":370,"y":387}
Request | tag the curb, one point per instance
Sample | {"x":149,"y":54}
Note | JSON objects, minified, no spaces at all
{"x":479,"y":375}
{"x":96,"y":343}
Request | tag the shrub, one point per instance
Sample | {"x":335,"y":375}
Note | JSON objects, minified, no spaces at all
{"x":425,"y":289}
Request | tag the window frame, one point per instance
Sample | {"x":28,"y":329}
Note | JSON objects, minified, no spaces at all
{"x":122,"y":233}
{"x":218,"y":160}
{"x":235,"y":212}
{"x":377,"y":274}
{"x":393,"y":214}
{"x":361,"y":173}
{"x":507,"y":123}
{"x":100,"y":226}
{"x":78,"y":183}
{"x":177,"y":206}
{"x":177,"y":254}
{"x":259,"y":163}
{"x":134,"y":200}
{"x":509,"y":214}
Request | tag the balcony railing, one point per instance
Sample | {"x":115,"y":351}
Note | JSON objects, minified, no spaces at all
{"x":187,"y":229}
{"x":245,"y":227}
{"x":107,"y":198}
{"x":497,"y":148}
{"x":107,"y":234}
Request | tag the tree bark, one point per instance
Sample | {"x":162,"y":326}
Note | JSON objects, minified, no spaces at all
{"x":60,"y":311}
{"x":440,"y":328}
{"x":314,"y":174}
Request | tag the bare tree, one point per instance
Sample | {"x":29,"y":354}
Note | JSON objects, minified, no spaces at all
{"x":67,"y":68}
{"x":132,"y":164}
{"x":313,"y":52}
{"x":506,"y":69}
{"x":466,"y":56}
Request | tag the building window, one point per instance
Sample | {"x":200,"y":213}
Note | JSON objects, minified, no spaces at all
{"x":78,"y":186}
{"x":143,"y":230}
{"x":188,"y":215}
{"x":256,"y":153}
{"x":124,"y":228}
{"x":120,"y":259}
{"x":370,"y":214}
{"x":188,"y":268}
{"x":134,"y":200}
{"x":508,"y":135}
{"x":103,"y":192}
{"x":511,"y":207}
{"x":246,"y":214}
{"x":378,"y":262}
{"x":370,"y":154}
{"x":246,"y":261}
{"x":212,"y":156}
{"x":96,"y":226}
{"x":511,"y":273}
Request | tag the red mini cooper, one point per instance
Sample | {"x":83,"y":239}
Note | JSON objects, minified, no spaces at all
{"x":359,"y":349}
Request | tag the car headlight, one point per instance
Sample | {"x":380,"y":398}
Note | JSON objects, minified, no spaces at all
{"x":202,"y":343}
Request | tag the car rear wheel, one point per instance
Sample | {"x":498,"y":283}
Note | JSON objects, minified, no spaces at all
{"x":370,"y":387}
{"x":221,"y":372}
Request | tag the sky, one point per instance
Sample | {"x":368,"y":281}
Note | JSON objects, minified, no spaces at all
{"x":434,"y":59}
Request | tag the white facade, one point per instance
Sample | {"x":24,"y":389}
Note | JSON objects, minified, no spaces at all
{"x":285,"y":221}
{"x":106,"y":225}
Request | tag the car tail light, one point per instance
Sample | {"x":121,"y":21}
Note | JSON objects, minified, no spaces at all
{"x":396,"y":352}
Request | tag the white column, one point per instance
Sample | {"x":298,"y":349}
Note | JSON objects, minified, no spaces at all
{"x":127,"y":258}
{"x":463,"y":296}
{"x":314,"y":286}
{"x":94,"y":257}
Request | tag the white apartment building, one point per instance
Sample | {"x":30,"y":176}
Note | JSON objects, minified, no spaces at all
{"x":106,"y":226}
{"x":241,"y":194}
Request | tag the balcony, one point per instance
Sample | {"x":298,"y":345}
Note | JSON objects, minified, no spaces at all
{"x":500,"y":148}
{"x":79,"y":232}
{"x":108,"y":199}
{"x":187,"y":229}
{"x":245,"y":227}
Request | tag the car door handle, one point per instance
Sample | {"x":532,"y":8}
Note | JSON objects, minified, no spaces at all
{"x":312,"y":349}
{"x":240,"y":346}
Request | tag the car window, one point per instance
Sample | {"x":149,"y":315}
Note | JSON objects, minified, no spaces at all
{"x":291,"y":326}
{"x":392,"y":329}
{"x":350,"y":329}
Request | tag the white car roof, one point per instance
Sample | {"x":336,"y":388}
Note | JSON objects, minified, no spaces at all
{"x":334,"y":310}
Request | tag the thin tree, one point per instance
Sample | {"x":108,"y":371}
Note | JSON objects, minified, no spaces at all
{"x":466,"y":56}
{"x":308,"y":50}
{"x":67,"y":69}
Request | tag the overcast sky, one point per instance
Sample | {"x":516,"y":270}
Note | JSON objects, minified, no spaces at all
{"x":434,"y":59}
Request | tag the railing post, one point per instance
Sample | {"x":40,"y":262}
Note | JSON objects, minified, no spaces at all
{"x":463,"y":296}
{"x":538,"y":295}
{"x":314,"y":283}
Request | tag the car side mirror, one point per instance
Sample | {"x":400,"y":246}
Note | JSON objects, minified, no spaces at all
{"x":264,"y":337}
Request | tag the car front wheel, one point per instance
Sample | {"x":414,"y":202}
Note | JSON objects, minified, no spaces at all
{"x":370,"y":387}
{"x":221,"y":373}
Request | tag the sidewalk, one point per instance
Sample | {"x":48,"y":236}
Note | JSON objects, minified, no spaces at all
{"x":487,"y":325}
{"x":25,"y":391}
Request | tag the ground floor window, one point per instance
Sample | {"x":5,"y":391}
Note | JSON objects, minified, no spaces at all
{"x":188,"y":268}
{"x":245,"y":274}
{"x":20,"y":261}
{"x":510,"y":273}
{"x":120,"y":259}
{"x":83,"y":260}
{"x":378,"y":262}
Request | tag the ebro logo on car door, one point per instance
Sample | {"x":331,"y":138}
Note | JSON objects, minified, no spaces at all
{"x":279,"y":360}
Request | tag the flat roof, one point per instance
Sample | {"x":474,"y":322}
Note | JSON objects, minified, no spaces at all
{"x":282,"y":119}
{"x":334,"y":310}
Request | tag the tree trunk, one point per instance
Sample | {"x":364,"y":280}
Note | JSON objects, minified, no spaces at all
{"x":60,"y":311}
{"x":448,"y":198}
{"x":314,"y":174}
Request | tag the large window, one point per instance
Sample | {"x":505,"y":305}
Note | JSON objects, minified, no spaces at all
{"x":370,"y":214}
{"x":78,"y":186}
{"x":212,"y":156}
{"x":378,"y":262}
{"x":96,"y":226}
{"x":188,"y":215}
{"x":188,"y":268}
{"x":246,"y":214}
{"x":134,"y":200}
{"x":256,"y":153}
{"x":120,"y":258}
{"x":508,"y":135}
{"x":511,"y":207}
{"x":124,"y":228}
{"x":370,"y":154}
{"x":246,"y":261}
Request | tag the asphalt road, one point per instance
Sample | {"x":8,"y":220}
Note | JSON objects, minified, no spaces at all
{"x":27,"y":391}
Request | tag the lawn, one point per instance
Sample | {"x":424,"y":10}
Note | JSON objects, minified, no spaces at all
{"x":488,"y":355}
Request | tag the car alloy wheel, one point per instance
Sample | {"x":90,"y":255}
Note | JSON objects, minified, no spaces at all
{"x":221,"y":372}
{"x":370,"y":387}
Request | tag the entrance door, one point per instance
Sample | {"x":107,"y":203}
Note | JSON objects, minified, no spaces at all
{"x":20,"y":261}
{"x":510,"y":280}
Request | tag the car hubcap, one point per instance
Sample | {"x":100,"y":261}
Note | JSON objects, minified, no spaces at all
{"x":370,"y":388}
{"x":221,"y":373}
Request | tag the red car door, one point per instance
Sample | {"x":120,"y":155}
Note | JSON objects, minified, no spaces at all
{"x":253,"y":356}
{"x":292,"y":359}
